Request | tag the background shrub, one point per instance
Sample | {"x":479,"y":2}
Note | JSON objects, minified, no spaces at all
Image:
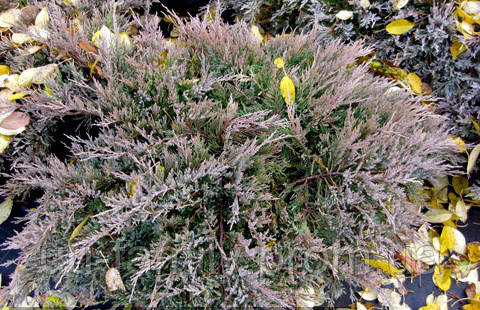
{"x":195,"y":180}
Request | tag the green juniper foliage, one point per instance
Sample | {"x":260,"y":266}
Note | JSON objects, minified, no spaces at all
{"x":201,"y":186}
{"x":424,"y":50}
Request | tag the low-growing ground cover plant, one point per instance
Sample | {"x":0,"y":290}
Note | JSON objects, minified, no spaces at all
{"x":438,"y":40}
{"x":217,"y":169}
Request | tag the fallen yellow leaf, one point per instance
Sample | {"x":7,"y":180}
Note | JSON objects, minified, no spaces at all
{"x":279,"y":62}
{"x":460,"y":245}
{"x":461,"y":210}
{"x":6,"y":209}
{"x":457,"y":48}
{"x":447,"y":239}
{"x":131,"y":188}
{"x":460,"y":184}
{"x":473,"y":252}
{"x":440,"y":302}
{"x":438,"y":215}
{"x":344,"y":15}
{"x":31,"y":50}
{"x":48,"y":91}
{"x":125,"y":40}
{"x":10,"y":18}
{"x":441,"y":277}
{"x":42,"y":18}
{"x":365,"y":3}
{"x":471,"y":7}
{"x":458,"y":141}
{"x":472,"y":158}
{"x":72,"y":2}
{"x":255,"y":31}
{"x":475,"y":125}
{"x":400,"y":3}
{"x":103,"y":36}
{"x":77,"y":230}
{"x":368,"y":294}
{"x":16,"y":96}
{"x":459,"y":12}
{"x":466,"y":28}
{"x":9,"y":80}
{"x":415,"y":83}
{"x":4,"y":69}
{"x":4,"y":142}
{"x":305,"y":297}
{"x":41,"y":32}
{"x":288,"y":90}
{"x":440,"y":189}
{"x":21,"y":38}
{"x":38,"y":75}
{"x":384,"y":266}
{"x":399,"y":26}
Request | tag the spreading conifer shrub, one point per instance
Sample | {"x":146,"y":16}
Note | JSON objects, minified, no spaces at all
{"x":193,"y":180}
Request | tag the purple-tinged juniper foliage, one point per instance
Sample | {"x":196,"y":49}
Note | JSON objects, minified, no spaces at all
{"x":201,"y":186}
{"x":424,"y":50}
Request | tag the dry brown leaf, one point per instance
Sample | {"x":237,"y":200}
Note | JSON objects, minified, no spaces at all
{"x":7,"y":4}
{"x":84,"y":45}
{"x":31,"y":50}
{"x":28,"y":14}
{"x":412,"y":265}
{"x":63,"y":55}
{"x":14,"y":124}
{"x":114,"y":280}
{"x":427,"y":88}
{"x":132,"y":30}
{"x":470,"y":291}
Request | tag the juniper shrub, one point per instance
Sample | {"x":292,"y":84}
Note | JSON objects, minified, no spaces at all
{"x":193,"y":177}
